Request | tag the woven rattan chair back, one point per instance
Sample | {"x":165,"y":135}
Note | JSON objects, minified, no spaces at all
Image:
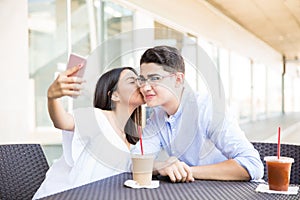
{"x":22,"y":170}
{"x":270,"y":149}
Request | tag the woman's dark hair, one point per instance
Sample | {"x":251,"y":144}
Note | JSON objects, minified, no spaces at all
{"x":105,"y":86}
{"x":168,"y":57}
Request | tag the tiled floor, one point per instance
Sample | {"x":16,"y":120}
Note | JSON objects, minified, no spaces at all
{"x":266,"y":130}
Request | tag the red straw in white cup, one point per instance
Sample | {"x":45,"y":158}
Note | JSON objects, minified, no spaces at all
{"x":141,"y":140}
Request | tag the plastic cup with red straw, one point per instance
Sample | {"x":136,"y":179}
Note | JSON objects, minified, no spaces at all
{"x":141,"y":140}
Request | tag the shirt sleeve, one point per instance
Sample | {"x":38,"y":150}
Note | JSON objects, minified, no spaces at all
{"x":67,"y":138}
{"x":72,"y":146}
{"x":227,"y":136}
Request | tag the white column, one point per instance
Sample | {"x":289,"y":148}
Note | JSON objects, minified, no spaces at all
{"x":14,"y":76}
{"x":143,"y":27}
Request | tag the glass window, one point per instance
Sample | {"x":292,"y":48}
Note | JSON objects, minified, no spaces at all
{"x":241,"y":85}
{"x":83,"y":27}
{"x":259,"y":90}
{"x":47,"y":48}
{"x":208,"y":47}
{"x":165,"y":35}
{"x":224,"y":72}
{"x":116,"y":20}
{"x":48,"y":40}
{"x":273,"y":90}
{"x":192,"y":72}
{"x":296,"y":92}
{"x":187,"y":44}
{"x":288,"y":93}
{"x":291,"y":93}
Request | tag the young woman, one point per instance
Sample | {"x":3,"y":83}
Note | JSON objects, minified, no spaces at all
{"x":109,"y":127}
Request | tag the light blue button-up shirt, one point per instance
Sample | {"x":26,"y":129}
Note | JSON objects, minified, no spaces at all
{"x":200,"y":134}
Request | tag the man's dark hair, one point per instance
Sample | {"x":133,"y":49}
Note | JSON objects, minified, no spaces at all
{"x":168,"y":57}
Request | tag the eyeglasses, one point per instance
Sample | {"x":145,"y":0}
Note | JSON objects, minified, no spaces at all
{"x":151,"y":79}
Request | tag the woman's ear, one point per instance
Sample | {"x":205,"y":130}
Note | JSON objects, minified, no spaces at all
{"x":179,"y":79}
{"x":115,"y":96}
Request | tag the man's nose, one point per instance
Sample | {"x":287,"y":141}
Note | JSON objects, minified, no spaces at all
{"x":146,"y":86}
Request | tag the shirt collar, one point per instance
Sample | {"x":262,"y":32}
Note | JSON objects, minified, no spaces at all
{"x":179,"y":110}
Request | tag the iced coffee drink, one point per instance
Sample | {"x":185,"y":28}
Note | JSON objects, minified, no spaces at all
{"x":279,"y":172}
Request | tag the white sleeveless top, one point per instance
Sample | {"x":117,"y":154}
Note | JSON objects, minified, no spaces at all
{"x":80,"y":164}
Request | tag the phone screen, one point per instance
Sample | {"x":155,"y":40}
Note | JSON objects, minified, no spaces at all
{"x":76,"y":60}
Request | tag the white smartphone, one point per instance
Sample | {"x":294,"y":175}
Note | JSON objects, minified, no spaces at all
{"x":74,"y":60}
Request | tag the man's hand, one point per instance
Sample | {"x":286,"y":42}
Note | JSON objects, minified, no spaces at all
{"x":176,"y":170}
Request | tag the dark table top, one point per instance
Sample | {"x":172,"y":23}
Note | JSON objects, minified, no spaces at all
{"x":113,"y":188}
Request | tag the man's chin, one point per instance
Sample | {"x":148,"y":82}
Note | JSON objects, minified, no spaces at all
{"x":151,"y":104}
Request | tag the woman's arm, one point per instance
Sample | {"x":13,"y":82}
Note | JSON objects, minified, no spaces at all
{"x":64,"y":85}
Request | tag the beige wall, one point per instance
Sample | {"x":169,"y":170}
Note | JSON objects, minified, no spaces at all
{"x":14,"y":82}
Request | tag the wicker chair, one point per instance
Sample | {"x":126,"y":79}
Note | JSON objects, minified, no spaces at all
{"x":22,"y":170}
{"x":270,"y":149}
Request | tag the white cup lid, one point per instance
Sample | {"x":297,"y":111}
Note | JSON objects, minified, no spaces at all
{"x":281,"y":159}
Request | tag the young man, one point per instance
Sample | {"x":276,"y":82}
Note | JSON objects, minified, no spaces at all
{"x":201,"y":141}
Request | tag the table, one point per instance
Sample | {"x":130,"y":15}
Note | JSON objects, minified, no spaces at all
{"x":113,"y":188}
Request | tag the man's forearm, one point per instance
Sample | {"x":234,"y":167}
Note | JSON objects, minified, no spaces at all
{"x":227,"y":170}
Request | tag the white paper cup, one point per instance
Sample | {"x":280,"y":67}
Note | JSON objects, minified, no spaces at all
{"x":142,"y":166}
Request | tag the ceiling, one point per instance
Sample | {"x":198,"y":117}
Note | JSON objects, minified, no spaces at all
{"x":276,"y":22}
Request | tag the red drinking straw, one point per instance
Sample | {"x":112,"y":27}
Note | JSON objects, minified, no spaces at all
{"x":278,"y":144}
{"x":141,"y":141}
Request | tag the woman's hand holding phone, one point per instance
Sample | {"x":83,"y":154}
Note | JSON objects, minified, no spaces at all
{"x":69,"y":82}
{"x":66,"y":84}
{"x":76,"y":60}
